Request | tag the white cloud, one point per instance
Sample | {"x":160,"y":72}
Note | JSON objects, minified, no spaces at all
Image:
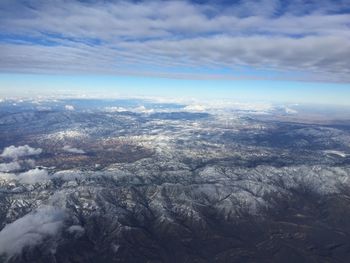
{"x":30,"y":230}
{"x":290,"y":111}
{"x":69,"y":107}
{"x":312,"y":38}
{"x":142,"y":109}
{"x":195,"y":107}
{"x":14,"y":152}
{"x":33,"y":176}
{"x":115,"y":109}
{"x":7,"y":176}
{"x":70,"y":149}
{"x":10,"y":167}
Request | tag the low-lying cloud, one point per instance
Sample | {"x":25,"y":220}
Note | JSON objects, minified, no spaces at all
{"x":31,"y":230}
{"x":14,"y":152}
{"x":194,"y":107}
{"x":69,"y":107}
{"x":10,"y":167}
{"x":8,"y":176}
{"x":71,"y":149}
{"x":33,"y":176}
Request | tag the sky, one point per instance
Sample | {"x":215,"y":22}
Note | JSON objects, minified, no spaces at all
{"x":271,"y":50}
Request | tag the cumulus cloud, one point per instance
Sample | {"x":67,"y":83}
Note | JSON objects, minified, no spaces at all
{"x":71,"y":149}
{"x":33,"y":176}
{"x":142,"y":109}
{"x":14,"y":152}
{"x":10,"y":167}
{"x":31,"y":230}
{"x":69,"y":107}
{"x":196,"y":107}
{"x":160,"y":37}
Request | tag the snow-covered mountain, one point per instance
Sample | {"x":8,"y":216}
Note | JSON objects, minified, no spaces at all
{"x":173,"y":183}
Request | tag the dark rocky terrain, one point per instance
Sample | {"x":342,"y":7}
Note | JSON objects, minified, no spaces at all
{"x":137,"y":181}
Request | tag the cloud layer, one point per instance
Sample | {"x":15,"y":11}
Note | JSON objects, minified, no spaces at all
{"x":291,"y":39}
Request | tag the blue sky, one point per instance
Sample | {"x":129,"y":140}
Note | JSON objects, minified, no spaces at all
{"x":274,"y":50}
{"x":104,"y":86}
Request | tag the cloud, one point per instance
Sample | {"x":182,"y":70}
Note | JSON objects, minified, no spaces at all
{"x":290,"y":110}
{"x":7,"y":176}
{"x":161,"y":38}
{"x":69,"y":107}
{"x":70,"y":149}
{"x":115,"y":109}
{"x":14,"y":152}
{"x":10,"y":167}
{"x":76,"y":230}
{"x":31,"y":230}
{"x":33,"y":176}
{"x":195,"y":107}
{"x":142,"y":109}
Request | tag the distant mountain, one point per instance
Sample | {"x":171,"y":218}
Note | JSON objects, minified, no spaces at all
{"x":86,"y":184}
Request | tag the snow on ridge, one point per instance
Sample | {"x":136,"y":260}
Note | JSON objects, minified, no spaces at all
{"x":67,"y":134}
